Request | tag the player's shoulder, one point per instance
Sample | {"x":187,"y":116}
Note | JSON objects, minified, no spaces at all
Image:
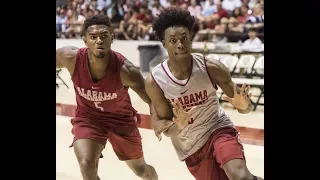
{"x":68,"y":54}
{"x":150,"y":81}
{"x":159,"y":65}
{"x":198,"y":55}
{"x":68,"y":50}
{"x":157,"y":68}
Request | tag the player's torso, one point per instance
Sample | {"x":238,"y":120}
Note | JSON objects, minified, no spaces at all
{"x":198,"y":91}
{"x":106,"y":98}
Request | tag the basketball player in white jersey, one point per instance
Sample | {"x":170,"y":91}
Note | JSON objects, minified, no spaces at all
{"x":204,"y":137}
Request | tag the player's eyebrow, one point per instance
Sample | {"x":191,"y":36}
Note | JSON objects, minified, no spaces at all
{"x":173,"y":35}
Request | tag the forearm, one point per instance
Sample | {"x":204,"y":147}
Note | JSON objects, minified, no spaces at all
{"x":165,"y":126}
{"x":172,"y":131}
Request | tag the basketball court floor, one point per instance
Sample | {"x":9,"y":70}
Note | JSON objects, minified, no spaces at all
{"x":159,"y":154}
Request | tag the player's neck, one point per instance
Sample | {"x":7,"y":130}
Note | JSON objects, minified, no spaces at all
{"x":180,"y":66}
{"x":95,"y":60}
{"x":96,"y":63}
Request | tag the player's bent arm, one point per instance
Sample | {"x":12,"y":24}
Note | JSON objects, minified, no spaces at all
{"x":220,"y":74}
{"x":162,"y":119}
{"x":66,"y":58}
{"x":132,"y":77}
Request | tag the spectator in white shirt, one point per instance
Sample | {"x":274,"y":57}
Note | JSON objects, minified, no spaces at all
{"x":253,"y":44}
{"x":229,"y":5}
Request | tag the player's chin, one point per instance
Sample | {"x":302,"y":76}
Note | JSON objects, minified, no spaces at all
{"x":182,"y":55}
{"x":101,"y":54}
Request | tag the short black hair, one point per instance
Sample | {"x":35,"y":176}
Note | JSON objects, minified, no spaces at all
{"x":252,"y":30}
{"x":170,"y":17}
{"x":95,"y":20}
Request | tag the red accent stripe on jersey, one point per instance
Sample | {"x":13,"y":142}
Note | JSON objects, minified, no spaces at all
{"x":174,"y":80}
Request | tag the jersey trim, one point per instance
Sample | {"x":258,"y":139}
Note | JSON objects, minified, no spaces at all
{"x":173,"y":79}
{"x":156,"y":82}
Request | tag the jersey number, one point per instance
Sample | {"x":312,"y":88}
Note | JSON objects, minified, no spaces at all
{"x":97,"y":106}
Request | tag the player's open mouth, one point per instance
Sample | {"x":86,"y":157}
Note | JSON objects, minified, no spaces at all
{"x":100,"y":48}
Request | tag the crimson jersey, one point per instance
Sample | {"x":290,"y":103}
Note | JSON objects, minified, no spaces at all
{"x":107,"y":100}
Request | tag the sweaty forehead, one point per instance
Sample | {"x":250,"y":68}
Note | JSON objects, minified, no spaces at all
{"x":98,"y":29}
{"x":176,"y":31}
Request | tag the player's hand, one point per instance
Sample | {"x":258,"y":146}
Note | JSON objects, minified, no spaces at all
{"x":182,"y":117}
{"x":240,"y":100}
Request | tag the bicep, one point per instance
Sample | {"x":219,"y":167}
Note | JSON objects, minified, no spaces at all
{"x":160,"y":103}
{"x":131,"y":77}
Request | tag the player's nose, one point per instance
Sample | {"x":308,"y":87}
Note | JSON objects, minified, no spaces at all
{"x":180,"y":45}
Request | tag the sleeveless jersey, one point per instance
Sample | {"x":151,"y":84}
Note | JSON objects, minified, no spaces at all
{"x":197,"y":90}
{"x":106,"y":101}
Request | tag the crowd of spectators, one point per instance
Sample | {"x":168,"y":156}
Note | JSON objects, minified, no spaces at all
{"x":217,"y":20}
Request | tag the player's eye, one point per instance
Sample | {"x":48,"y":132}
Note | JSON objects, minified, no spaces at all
{"x":173,"y":41}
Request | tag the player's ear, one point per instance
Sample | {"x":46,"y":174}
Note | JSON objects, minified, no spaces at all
{"x":112,"y":37}
{"x":85,"y":40}
{"x":163,"y":43}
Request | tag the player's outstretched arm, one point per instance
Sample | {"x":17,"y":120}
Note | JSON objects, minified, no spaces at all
{"x":220,"y":74}
{"x":162,"y":119}
{"x":66,"y":57}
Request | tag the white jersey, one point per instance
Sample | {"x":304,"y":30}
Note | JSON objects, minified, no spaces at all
{"x":197,"y":90}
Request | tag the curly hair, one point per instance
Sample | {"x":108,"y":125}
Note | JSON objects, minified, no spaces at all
{"x":95,"y":20}
{"x":172,"y":17}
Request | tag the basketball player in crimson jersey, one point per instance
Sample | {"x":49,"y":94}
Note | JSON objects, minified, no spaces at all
{"x":204,"y":137}
{"x":101,"y":79}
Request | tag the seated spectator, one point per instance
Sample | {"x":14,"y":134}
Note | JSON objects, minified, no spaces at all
{"x":244,"y":13}
{"x":237,"y":15}
{"x":230,"y":5}
{"x":221,"y":26}
{"x":236,"y":21}
{"x":208,"y":9}
{"x":115,"y":14}
{"x":253,"y":44}
{"x":127,"y":27}
{"x":156,"y":8}
{"x":60,"y":19}
{"x":194,"y":8}
{"x":144,"y":24}
{"x":256,"y":19}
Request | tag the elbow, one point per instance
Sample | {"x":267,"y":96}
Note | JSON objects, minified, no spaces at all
{"x":59,"y":64}
{"x":58,"y":57}
{"x":167,"y":134}
{"x":170,"y":134}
